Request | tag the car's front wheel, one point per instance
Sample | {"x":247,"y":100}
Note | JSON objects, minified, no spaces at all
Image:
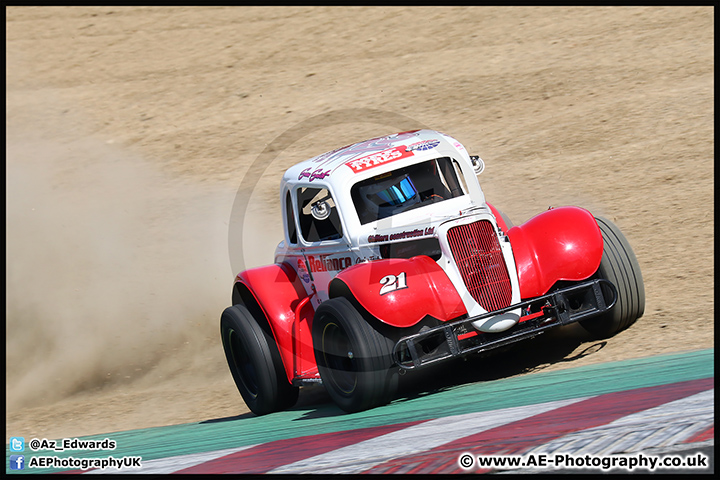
{"x":353,"y":357}
{"x":620,"y":266}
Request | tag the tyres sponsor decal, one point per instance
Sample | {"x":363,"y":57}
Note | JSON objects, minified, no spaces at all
{"x":380,"y":158}
{"x":372,"y":145}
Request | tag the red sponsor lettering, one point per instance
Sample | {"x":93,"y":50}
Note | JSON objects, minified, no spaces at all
{"x":326,"y":264}
{"x":379,"y":158}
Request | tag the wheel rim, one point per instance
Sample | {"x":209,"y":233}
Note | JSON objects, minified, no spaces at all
{"x":243,"y":365}
{"x":339,"y":358}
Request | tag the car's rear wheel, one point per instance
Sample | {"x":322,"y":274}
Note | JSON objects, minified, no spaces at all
{"x":620,"y":266}
{"x":353,"y":356}
{"x":255,"y":362}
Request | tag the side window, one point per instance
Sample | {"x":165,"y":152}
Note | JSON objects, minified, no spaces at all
{"x":290,"y":219}
{"x":318,"y":215}
{"x":453,"y":176}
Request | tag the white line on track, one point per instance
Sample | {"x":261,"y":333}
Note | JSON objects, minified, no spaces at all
{"x":667,"y":424}
{"x":418,"y":438}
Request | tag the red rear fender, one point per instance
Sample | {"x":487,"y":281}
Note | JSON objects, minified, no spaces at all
{"x":564,"y":243}
{"x":400,"y":292}
{"x":277,"y":290}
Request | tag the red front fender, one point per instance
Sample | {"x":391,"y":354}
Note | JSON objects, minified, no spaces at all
{"x":400,"y":292}
{"x":560,"y":244}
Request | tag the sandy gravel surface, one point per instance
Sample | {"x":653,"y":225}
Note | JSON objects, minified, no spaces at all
{"x":129,"y":130}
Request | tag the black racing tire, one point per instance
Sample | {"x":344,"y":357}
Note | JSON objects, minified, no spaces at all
{"x":353,"y":356}
{"x":620,"y":266}
{"x":255,"y":363}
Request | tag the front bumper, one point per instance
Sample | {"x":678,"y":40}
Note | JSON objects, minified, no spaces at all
{"x":561,"y":307}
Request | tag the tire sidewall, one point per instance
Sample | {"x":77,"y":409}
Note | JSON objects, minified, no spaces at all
{"x":620,"y":267}
{"x":240,"y":330}
{"x":374,"y":383}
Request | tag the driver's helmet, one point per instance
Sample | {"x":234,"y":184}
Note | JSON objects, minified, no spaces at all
{"x":389,"y":196}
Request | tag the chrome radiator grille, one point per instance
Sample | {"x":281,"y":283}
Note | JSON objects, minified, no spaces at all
{"x":476,"y":251}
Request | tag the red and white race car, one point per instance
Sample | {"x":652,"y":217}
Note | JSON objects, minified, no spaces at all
{"x":393,"y":260}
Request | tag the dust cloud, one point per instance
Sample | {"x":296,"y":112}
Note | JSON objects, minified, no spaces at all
{"x":116,"y":272}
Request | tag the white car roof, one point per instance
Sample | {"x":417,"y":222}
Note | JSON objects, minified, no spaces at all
{"x":339,"y":169}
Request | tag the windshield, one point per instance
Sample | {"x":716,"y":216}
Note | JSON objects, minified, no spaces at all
{"x":407,"y":188}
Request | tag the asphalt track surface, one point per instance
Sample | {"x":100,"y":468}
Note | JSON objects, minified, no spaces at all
{"x":653,"y":407}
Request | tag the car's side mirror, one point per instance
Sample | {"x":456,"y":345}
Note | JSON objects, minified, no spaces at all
{"x":320,"y":210}
{"x":478,"y":164}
